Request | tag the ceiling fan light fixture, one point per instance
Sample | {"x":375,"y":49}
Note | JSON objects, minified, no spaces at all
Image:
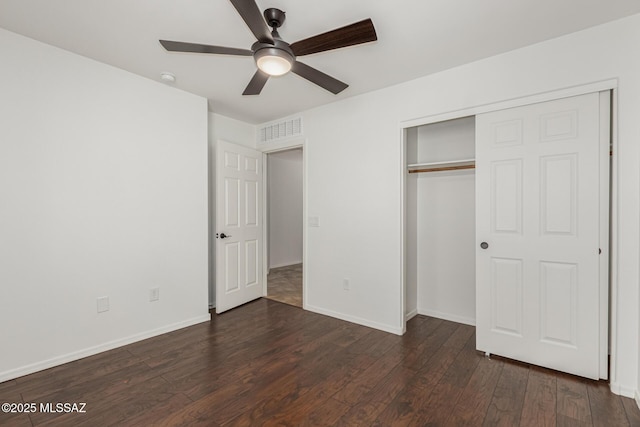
{"x":273,"y":61}
{"x":274,"y":56}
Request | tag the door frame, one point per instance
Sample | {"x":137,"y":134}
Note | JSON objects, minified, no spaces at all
{"x":599,"y":86}
{"x":266,"y":150}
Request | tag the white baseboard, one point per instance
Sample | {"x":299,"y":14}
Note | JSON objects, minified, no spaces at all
{"x":447,"y":316}
{"x":637,"y":399}
{"x":410,"y":315}
{"x":80,"y":354}
{"x":621,"y":390}
{"x":355,"y":319}
{"x":286,"y":264}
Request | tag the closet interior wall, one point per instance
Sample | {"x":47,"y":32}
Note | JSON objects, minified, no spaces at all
{"x":440,"y":223}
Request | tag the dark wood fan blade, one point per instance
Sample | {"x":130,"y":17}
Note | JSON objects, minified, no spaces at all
{"x":248,"y":10}
{"x":203,"y":48}
{"x":360,"y":32}
{"x":318,"y":77}
{"x":257,"y":83}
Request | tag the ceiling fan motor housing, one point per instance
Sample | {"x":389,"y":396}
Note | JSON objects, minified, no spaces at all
{"x":274,"y":17}
{"x":279,"y":49}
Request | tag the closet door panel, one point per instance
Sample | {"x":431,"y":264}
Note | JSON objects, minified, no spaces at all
{"x":538,"y":198}
{"x":506,"y":196}
{"x":506,"y":296}
{"x":558,"y":194}
{"x":558,"y":303}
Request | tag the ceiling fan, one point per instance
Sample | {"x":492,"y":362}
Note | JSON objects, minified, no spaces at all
{"x":274,"y":56}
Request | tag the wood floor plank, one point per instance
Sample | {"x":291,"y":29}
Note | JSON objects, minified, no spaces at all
{"x":117,"y":408}
{"x":161,"y":415}
{"x":313,"y":366}
{"x":326,"y":414}
{"x":313,"y":384}
{"x":15,"y":420}
{"x":431,"y":337}
{"x":284,"y":391}
{"x":632,"y":411}
{"x":7,"y":385}
{"x":97,"y":390}
{"x":539,"y":408}
{"x":375,"y":344}
{"x":290,"y":404}
{"x":35,"y":386}
{"x":606,"y":408}
{"x":213,"y":405}
{"x":243,"y":388}
{"x":407,"y":404}
{"x":506,"y":404}
{"x":573,"y":399}
{"x":245,"y":366}
{"x":268,"y":363}
{"x":564,"y":421}
{"x":460,"y":337}
{"x":475,"y":398}
{"x":367,"y":410}
{"x":350,"y":332}
{"x":362,"y":384}
{"x":445,"y":394}
{"x":9,"y":393}
{"x":186,"y":362}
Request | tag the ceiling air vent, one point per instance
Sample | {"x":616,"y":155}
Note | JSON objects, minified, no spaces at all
{"x":280,"y":130}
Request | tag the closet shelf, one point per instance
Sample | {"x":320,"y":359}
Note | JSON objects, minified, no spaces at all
{"x":442,"y":166}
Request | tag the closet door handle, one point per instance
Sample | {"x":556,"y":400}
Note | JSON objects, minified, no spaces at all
{"x":222,"y":236}
{"x":484,"y":245}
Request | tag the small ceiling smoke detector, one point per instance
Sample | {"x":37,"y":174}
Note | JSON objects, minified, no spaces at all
{"x":168,"y":77}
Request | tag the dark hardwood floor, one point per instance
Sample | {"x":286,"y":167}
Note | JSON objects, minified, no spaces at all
{"x":268,"y":363}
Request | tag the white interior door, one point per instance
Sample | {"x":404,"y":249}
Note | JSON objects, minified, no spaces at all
{"x":239,"y":249}
{"x":539,"y":194}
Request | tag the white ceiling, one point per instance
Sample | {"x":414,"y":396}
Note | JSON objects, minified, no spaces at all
{"x":415,"y":38}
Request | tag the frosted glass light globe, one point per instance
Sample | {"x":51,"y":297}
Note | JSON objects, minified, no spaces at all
{"x":274,"y":65}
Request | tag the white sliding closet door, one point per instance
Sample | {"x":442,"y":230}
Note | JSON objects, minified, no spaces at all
{"x":539,"y":194}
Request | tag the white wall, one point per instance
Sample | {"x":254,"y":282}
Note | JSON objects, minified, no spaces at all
{"x":354,"y":172}
{"x":411,"y":227}
{"x":285,"y":207}
{"x":229,"y":130}
{"x":103,"y":193}
{"x":446,"y":245}
{"x":445,"y":222}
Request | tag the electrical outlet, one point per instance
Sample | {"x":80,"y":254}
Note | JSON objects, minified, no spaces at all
{"x":345,"y":284}
{"x":103,"y":304}
{"x":154,"y":294}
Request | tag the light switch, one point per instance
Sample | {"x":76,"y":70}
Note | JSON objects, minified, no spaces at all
{"x":314,"y":221}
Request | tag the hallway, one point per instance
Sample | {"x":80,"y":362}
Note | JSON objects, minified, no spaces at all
{"x":284,"y":284}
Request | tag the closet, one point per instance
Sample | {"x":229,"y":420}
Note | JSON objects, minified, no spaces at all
{"x":441,"y":220}
{"x":507,"y":229}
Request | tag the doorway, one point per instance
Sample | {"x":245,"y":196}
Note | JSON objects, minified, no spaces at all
{"x":284,"y":223}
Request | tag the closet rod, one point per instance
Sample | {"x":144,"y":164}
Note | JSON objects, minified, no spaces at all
{"x":443,"y":168}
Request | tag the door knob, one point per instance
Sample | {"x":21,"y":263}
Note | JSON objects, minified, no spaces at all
{"x":222,"y":235}
{"x":484,"y":245}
